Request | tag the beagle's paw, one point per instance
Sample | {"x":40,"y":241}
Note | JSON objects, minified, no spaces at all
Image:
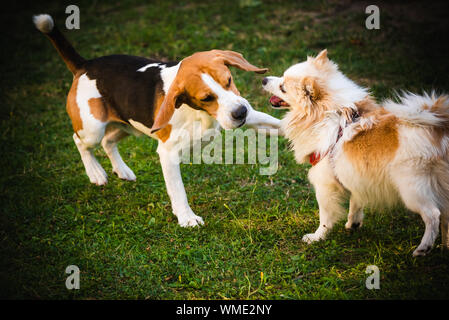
{"x":191,"y":220}
{"x":96,"y":173}
{"x":125,"y":173}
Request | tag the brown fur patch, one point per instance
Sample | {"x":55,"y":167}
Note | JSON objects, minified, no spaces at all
{"x":164,"y":133}
{"x":102,"y":111}
{"x":369,"y":149}
{"x":158,"y":99}
{"x":72,"y":107}
{"x":98,"y":109}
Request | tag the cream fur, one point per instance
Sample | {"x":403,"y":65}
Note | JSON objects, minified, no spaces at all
{"x":412,"y":168}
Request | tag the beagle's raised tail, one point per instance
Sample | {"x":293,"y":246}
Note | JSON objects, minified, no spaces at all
{"x":45,"y":24}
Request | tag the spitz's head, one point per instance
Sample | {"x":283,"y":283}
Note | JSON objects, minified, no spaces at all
{"x":313,"y":85}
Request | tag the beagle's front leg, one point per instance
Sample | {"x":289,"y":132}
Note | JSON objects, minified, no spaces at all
{"x":259,"y":120}
{"x":175,"y":188}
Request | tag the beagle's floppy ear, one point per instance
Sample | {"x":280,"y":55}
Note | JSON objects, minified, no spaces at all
{"x":235,"y":59}
{"x":167,"y":107}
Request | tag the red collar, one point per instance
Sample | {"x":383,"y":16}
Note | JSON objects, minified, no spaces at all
{"x":316,"y":157}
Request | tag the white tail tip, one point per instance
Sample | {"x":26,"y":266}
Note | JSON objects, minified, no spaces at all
{"x":43,"y":22}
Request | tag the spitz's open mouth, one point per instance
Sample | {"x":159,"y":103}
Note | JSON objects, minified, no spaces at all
{"x":278,"y":103}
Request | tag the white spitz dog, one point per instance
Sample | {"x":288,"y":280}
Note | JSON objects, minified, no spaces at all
{"x":378,"y":154}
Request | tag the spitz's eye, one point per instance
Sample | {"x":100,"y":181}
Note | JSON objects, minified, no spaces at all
{"x":282,"y":88}
{"x":229,"y":82}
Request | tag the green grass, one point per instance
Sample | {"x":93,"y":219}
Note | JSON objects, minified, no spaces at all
{"x":123,"y":236}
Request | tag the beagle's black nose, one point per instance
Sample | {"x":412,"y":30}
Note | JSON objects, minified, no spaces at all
{"x":239,"y":113}
{"x":264,"y":81}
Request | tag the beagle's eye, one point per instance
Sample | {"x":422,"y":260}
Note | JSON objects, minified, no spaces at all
{"x":282,"y":88}
{"x":229,"y":82}
{"x":208,"y":98}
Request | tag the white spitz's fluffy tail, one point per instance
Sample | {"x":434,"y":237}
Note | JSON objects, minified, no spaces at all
{"x":422,"y":110}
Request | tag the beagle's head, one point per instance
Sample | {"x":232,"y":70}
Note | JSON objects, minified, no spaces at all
{"x":204,"y":82}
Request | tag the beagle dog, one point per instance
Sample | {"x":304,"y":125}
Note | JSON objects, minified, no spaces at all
{"x":114,"y":96}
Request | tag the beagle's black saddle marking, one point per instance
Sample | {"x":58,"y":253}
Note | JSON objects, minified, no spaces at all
{"x":130,"y":92}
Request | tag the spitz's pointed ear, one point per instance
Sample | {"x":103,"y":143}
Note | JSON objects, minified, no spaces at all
{"x":322,"y":57}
